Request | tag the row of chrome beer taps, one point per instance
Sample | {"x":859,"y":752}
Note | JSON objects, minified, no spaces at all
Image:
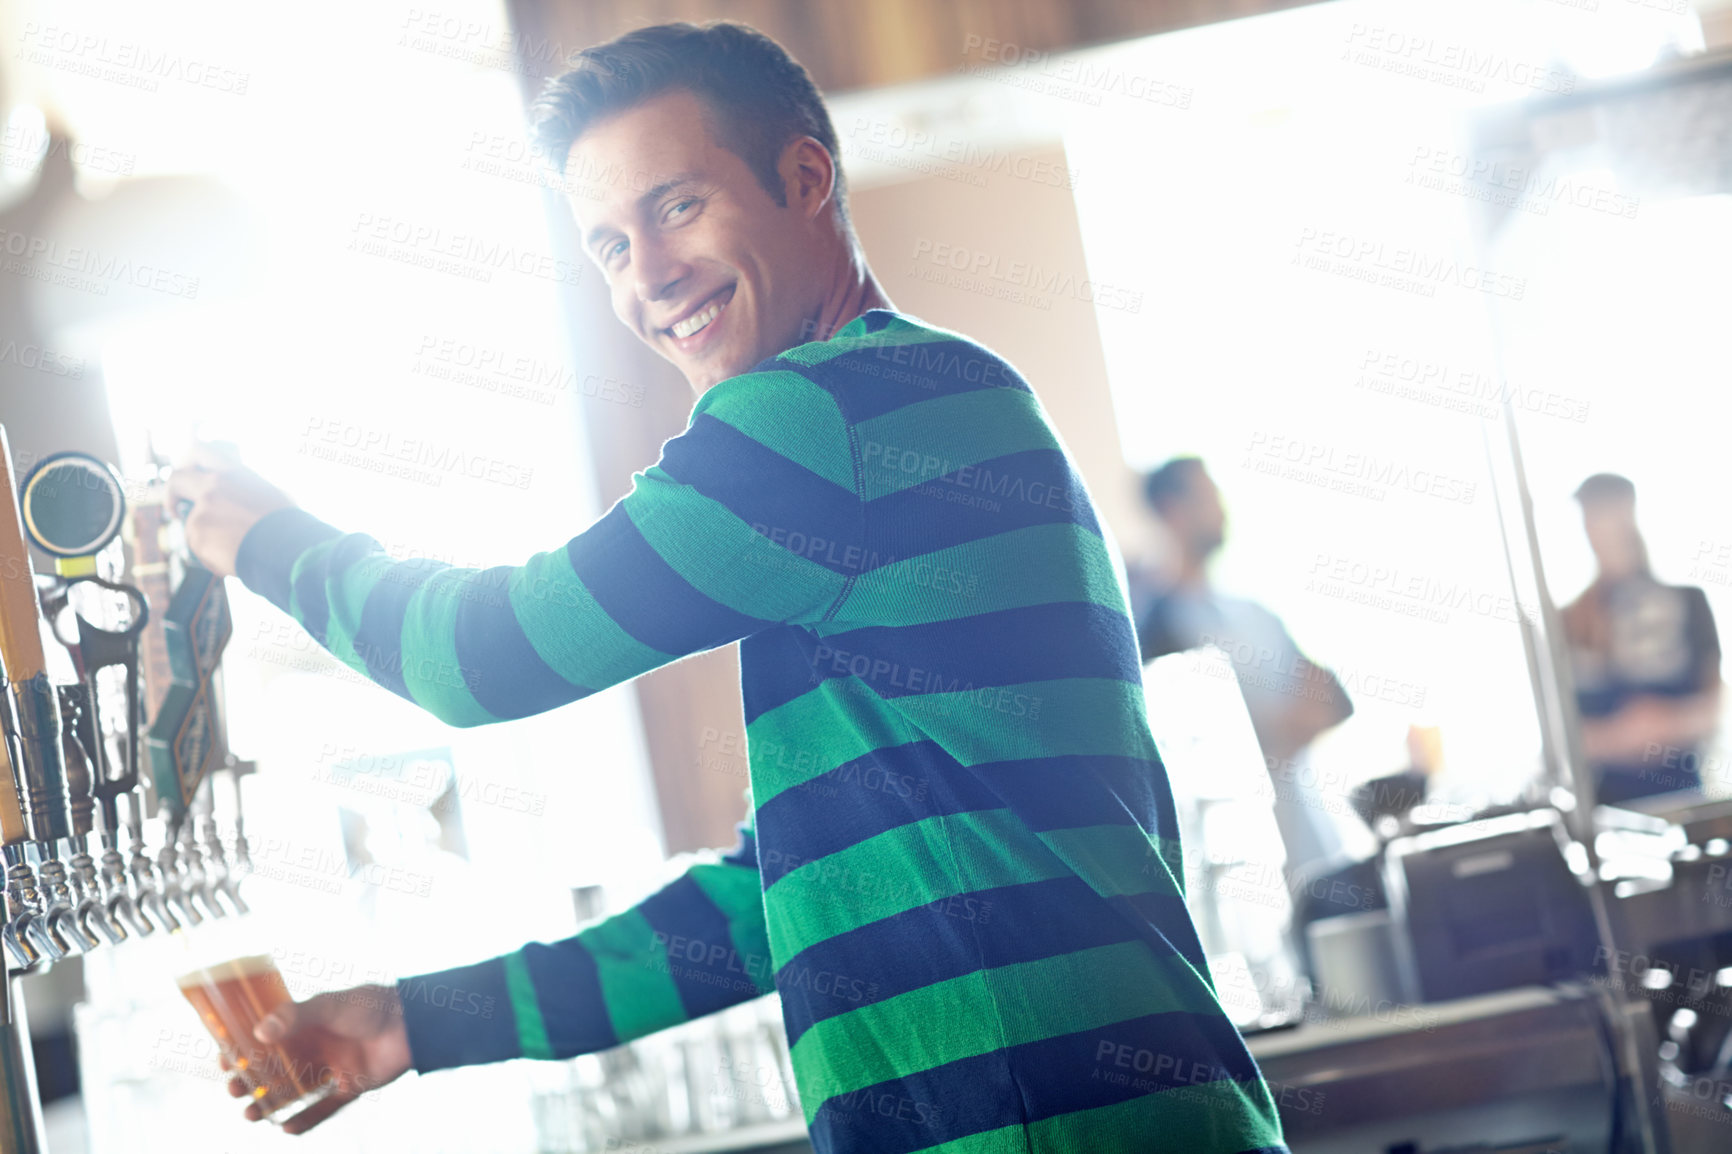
{"x":60,"y":907}
{"x":73,"y":751}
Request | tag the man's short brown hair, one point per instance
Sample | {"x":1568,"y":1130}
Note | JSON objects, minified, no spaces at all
{"x":760,"y":97}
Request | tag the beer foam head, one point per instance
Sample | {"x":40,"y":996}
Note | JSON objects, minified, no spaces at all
{"x":233,"y":970}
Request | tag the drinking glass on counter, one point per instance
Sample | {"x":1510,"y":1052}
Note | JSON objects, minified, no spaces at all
{"x":724,"y":1072}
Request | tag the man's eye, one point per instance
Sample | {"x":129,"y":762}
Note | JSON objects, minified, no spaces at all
{"x":680,"y":206}
{"x":613,"y":250}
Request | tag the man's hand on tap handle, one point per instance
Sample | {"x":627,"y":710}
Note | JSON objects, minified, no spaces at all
{"x":357,"y":1034}
{"x":226,"y":498}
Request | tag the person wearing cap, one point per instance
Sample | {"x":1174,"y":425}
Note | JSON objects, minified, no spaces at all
{"x":1645,"y":655}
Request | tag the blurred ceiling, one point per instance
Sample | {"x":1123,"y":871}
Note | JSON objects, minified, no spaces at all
{"x":849,"y":44}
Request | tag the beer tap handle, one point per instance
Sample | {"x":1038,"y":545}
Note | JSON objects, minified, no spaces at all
{"x":22,"y":904}
{"x":35,"y":702}
{"x":94,"y":650}
{"x":176,"y":884}
{"x":185,"y":740}
{"x":219,"y":879}
{"x":71,"y":908}
{"x":202,"y":884}
{"x":152,"y":893}
{"x":33,"y":740}
{"x":100,"y":649}
{"x":225,"y":878}
{"x":62,"y":925}
{"x":76,"y":736}
{"x":47,"y":932}
{"x":242,"y":863}
{"x":91,"y":910}
{"x":12,"y":827}
{"x":21,"y":951}
{"x":72,"y":506}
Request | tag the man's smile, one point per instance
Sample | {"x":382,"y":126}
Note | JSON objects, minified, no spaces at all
{"x":698,"y":327}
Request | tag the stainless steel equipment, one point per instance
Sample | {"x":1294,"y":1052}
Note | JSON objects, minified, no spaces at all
{"x":1530,"y":1065}
{"x":71,"y":755}
{"x":1489,"y":905}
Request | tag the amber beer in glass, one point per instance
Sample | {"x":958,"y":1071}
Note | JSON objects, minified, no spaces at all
{"x":231,"y":998}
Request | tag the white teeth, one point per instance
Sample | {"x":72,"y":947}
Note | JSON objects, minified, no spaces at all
{"x":696,"y":323}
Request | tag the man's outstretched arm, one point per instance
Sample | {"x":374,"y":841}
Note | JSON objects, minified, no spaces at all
{"x":751,"y":517}
{"x":697,"y":946}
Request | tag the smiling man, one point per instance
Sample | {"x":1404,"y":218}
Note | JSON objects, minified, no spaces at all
{"x":962,"y":872}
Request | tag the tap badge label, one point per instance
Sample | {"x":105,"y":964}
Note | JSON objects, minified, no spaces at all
{"x":183,"y":738}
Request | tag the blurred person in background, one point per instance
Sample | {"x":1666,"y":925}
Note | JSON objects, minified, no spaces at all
{"x":1646,"y":657}
{"x":1332,"y":865}
{"x":1291,"y":699}
{"x":962,"y":871}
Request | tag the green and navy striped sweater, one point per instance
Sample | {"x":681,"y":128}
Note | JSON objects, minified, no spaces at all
{"x":963,"y":871}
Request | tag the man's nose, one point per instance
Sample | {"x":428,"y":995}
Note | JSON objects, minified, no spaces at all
{"x":659,"y":271}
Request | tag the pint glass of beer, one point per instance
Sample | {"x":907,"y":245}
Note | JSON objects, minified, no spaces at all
{"x":231,"y":998}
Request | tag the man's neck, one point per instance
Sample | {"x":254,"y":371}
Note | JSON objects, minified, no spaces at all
{"x":852,"y":291}
{"x":1612,"y":578}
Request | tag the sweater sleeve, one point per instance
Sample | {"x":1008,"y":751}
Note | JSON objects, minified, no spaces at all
{"x":697,"y":946}
{"x":750,"y":518}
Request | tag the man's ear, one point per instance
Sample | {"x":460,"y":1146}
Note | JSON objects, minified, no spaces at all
{"x":808,"y":174}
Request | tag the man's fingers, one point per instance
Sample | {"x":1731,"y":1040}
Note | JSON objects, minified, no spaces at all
{"x":285,"y":1019}
{"x":213,"y":455}
{"x":277,"y":1024}
{"x":317,"y":1112}
{"x":189,"y":484}
{"x":194,"y":474}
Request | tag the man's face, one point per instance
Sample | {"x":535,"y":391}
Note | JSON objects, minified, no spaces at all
{"x":1196,"y":515}
{"x":702,"y":264}
{"x":1611,"y":528}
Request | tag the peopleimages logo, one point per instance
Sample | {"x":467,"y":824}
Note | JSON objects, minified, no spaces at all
{"x":1396,"y":266}
{"x":32,"y":356}
{"x":462,"y":254}
{"x":1512,"y":185}
{"x":515,"y":374}
{"x":87,"y":269}
{"x":1450,"y":63}
{"x":26,"y":148}
{"x":443,"y":996}
{"x":347,"y":443}
{"x":1079,"y":78}
{"x":1471,"y":391}
{"x":1413,"y":593}
{"x":1024,"y":275}
{"x":1350,"y":471}
{"x":102,"y":57}
{"x":956,"y":157}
